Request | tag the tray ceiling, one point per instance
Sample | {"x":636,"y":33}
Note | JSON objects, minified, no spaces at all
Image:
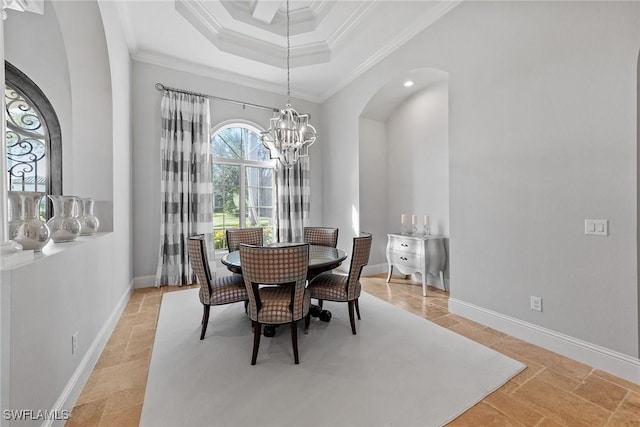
{"x":244,"y":41}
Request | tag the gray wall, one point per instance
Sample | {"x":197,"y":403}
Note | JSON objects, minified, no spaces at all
{"x":542,"y":123}
{"x":146,"y":151}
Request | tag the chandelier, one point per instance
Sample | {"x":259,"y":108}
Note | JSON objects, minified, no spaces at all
{"x":289,"y":135}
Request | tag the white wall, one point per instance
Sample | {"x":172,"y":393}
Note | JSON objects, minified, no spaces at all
{"x":542,"y":124}
{"x":80,"y":286}
{"x":374,"y":189}
{"x":418,"y":159}
{"x":146,"y":150}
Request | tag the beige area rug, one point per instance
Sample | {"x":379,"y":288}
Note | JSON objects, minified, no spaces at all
{"x":400,"y":370}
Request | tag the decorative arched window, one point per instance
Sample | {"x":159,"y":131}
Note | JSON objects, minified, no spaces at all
{"x":33,"y":138}
{"x":243,"y":181}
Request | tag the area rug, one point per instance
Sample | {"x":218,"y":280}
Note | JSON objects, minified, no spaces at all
{"x":399,"y":370}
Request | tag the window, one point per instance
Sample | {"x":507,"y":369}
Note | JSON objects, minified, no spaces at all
{"x":243,"y":180}
{"x":33,"y":138}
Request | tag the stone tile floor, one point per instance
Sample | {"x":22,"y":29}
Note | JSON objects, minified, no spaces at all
{"x":553,"y":391}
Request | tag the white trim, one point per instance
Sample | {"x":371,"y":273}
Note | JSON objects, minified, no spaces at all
{"x":407,"y":34}
{"x":76,"y":383}
{"x":144,"y":282}
{"x":613,"y":362}
{"x":370,"y":270}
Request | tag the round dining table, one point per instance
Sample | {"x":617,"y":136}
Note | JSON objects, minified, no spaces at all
{"x":321,"y":259}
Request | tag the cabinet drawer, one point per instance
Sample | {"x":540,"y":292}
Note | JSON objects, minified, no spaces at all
{"x":400,"y":244}
{"x":405,"y":259}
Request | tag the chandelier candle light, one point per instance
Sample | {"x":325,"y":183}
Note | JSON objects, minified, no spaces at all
{"x":290,"y":135}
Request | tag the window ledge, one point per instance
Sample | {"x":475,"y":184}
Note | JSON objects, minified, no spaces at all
{"x":52,"y":249}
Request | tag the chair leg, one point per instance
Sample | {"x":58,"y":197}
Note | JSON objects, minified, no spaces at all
{"x":205,"y":320}
{"x":257,"y":331}
{"x":294,"y":340}
{"x":307,"y":321}
{"x":357,"y":308}
{"x":351,"y":317}
{"x":320,"y":303}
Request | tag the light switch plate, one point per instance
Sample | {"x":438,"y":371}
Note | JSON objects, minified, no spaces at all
{"x":596,"y":227}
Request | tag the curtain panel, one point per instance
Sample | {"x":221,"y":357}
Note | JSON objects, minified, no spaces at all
{"x":293,"y":192}
{"x":186,"y":186}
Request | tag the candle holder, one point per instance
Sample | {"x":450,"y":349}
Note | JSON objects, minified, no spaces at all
{"x":404,"y":226}
{"x":427,"y":225}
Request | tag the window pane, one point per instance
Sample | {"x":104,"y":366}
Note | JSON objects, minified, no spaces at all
{"x":253,"y":204}
{"x":226,"y":205}
{"x":253,"y":147}
{"x":227,"y":144}
{"x":259,"y":200}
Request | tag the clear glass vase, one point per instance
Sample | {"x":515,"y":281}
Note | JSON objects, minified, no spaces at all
{"x":64,"y":226}
{"x":89,"y":223}
{"x":25,"y":225}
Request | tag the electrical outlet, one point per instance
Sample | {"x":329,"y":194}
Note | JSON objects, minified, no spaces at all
{"x":536,"y":303}
{"x":74,"y":342}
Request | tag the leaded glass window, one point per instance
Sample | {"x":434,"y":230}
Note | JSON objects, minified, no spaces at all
{"x":33,"y":138}
{"x":27,"y":143}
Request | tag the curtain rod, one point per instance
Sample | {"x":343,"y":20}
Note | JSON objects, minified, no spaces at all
{"x":160,"y":86}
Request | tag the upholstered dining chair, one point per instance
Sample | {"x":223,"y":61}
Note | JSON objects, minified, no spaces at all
{"x":323,"y":236}
{"x":275,"y":278}
{"x":219,"y":291}
{"x":335,"y":287}
{"x":249,"y":236}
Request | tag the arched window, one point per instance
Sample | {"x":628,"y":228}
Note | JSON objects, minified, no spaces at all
{"x":243,"y":181}
{"x":33,"y":138}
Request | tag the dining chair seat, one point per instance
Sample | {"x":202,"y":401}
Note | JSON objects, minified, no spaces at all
{"x":276,"y":305}
{"x":275,"y":279}
{"x":333,"y":287}
{"x":225,"y":290}
{"x":218,"y":291}
{"x":341,"y":288}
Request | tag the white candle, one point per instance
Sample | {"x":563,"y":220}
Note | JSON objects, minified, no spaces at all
{"x":414,"y":219}
{"x":427,"y":220}
{"x":403,"y":218}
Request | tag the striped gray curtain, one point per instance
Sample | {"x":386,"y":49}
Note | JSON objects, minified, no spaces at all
{"x":186,"y":185}
{"x":292,"y":192}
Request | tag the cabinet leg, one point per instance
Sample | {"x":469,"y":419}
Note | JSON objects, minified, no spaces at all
{"x":390,"y":272}
{"x":424,"y":285}
{"x":442,"y":281}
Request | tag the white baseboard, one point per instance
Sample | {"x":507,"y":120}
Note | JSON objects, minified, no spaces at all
{"x":370,"y":270}
{"x":71,"y":392}
{"x":613,"y":362}
{"x":144,"y":282}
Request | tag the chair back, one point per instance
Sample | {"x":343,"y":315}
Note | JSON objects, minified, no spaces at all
{"x":322,"y":236}
{"x":275,"y":266}
{"x":249,"y":236}
{"x":359,"y":258}
{"x":197,"y":250}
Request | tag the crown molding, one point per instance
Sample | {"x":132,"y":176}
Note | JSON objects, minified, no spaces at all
{"x":411,"y":31}
{"x":350,"y":24}
{"x":127,"y":27}
{"x":161,"y":60}
{"x":249,"y":47}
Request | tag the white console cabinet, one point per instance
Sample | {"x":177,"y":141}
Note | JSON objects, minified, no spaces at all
{"x":417,"y":254}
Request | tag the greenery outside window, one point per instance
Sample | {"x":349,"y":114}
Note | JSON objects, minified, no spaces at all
{"x":243,"y":182}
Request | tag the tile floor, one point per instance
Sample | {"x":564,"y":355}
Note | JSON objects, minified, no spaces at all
{"x":552,"y":391}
